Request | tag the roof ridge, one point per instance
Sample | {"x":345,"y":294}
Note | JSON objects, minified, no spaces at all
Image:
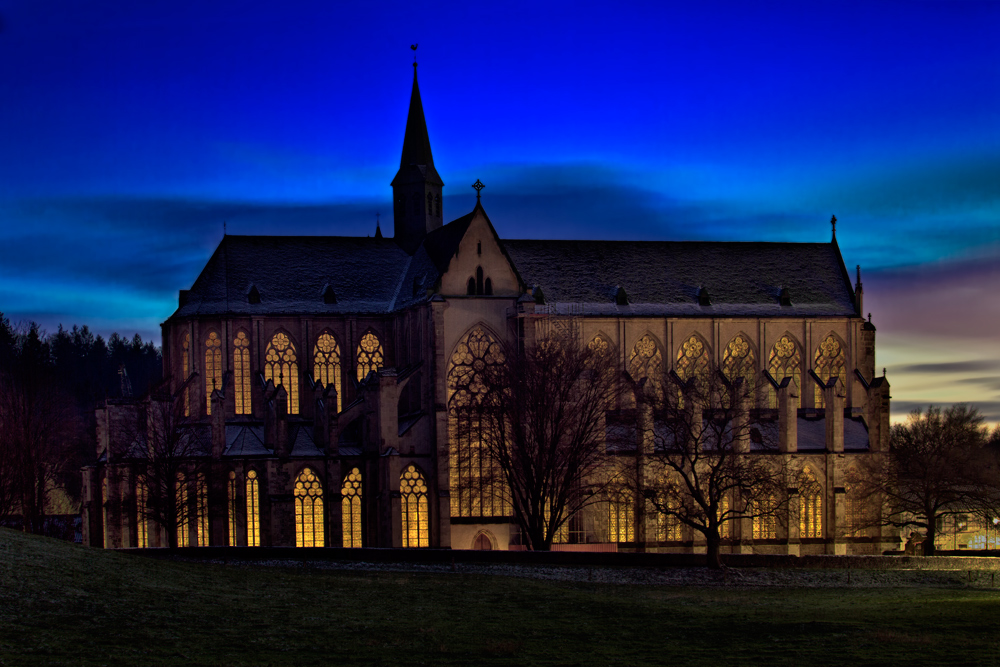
{"x":399,"y":284}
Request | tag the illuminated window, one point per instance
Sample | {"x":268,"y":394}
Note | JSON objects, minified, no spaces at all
{"x":253,"y":510}
{"x":370,"y":357}
{"x":241,"y":373}
{"x":231,"y":496}
{"x":668,"y":527}
{"x":601,"y":347}
{"x":829,"y":363}
{"x":181,"y":496}
{"x":416,"y":522}
{"x":785,"y":362}
{"x":141,"y":520}
{"x":645,"y":362}
{"x":561,"y":536}
{"x":621,"y":517}
{"x":308,"y":510}
{"x":213,"y":367}
{"x":282,"y":368}
{"x":186,"y":371}
{"x":202,"y":507}
{"x":857,"y":514}
{"x":738,"y":360}
{"x":326,"y":363}
{"x":726,"y":527}
{"x":764,"y":519}
{"x":693,"y":360}
{"x":477,"y":484}
{"x":351,"y":508}
{"x":810,"y":505}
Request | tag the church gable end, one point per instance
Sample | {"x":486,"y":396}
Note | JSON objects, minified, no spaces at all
{"x":479,"y":265}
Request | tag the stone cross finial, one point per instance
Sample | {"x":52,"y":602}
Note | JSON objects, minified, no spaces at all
{"x":478,"y":186}
{"x":833,"y":223}
{"x":413,"y":47}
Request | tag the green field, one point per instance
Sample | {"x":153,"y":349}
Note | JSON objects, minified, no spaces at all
{"x":62,"y":604}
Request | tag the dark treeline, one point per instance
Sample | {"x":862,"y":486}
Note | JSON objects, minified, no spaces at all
{"x":50,"y":386}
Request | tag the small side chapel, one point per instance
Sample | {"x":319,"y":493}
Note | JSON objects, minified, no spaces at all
{"x":318,"y":382}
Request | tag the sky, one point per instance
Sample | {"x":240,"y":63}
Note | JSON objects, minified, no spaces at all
{"x":130,"y":132}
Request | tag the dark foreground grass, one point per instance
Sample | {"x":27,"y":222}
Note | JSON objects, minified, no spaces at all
{"x":62,"y":604}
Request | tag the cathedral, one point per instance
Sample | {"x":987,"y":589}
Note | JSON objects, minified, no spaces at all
{"x":310,"y":399}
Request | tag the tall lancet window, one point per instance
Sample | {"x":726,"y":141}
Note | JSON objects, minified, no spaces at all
{"x":253,"y":510}
{"x":739,"y":360}
{"x":213,"y":368}
{"x":785,"y":362}
{"x":370,"y":355}
{"x":308,"y":510}
{"x":350,"y":494}
{"x":326,"y":363}
{"x":829,"y":363}
{"x":186,"y":371}
{"x":416,"y":527}
{"x":241,"y":373}
{"x":646,"y":361}
{"x":281,"y":367}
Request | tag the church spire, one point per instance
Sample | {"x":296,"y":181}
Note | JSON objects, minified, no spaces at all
{"x":417,"y":185}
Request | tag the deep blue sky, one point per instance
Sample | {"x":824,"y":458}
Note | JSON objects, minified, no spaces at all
{"x":129,"y":131}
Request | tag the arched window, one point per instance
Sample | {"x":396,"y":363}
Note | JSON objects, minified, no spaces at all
{"x":413,"y":496}
{"x":739,"y":360}
{"x":482,"y":543}
{"x":829,"y":363}
{"x":668,"y":526}
{"x":141,"y":520}
{"x":231,"y":497}
{"x":693,"y":361}
{"x":370,"y":355}
{"x":202,"y":509}
{"x":857,"y":515}
{"x":326,"y":363}
{"x":471,"y":288}
{"x":645,"y":362}
{"x":477,"y":485}
{"x":785,"y":362}
{"x":810,"y":505}
{"x":621,"y":517}
{"x":186,"y":371}
{"x":488,"y":287}
{"x":351,"y":508}
{"x":213,"y":368}
{"x":764,"y":523}
{"x":308,"y":510}
{"x":479,"y":280}
{"x":726,"y":527}
{"x":181,"y":497}
{"x":253,"y":510}
{"x":282,"y":368}
{"x":241,"y":373}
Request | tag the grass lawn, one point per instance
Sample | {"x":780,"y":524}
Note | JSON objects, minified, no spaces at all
{"x":63,"y":604}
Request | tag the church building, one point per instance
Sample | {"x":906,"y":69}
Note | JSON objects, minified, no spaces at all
{"x":311,"y":396}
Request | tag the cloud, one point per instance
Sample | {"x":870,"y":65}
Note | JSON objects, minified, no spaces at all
{"x":990,"y":410}
{"x":977,"y":366}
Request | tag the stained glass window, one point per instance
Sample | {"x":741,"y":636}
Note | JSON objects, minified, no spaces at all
{"x":141,"y":520}
{"x":308,"y":510}
{"x":764,"y":521}
{"x":785,"y":362}
{"x":668,"y":527}
{"x":810,"y":505}
{"x":241,"y":373}
{"x":829,"y":363}
{"x":645,"y":362}
{"x":231,"y":496}
{"x":181,"y":495}
{"x":738,"y":360}
{"x":726,"y":527}
{"x":693,"y":362}
{"x":253,"y":510}
{"x":621,"y":517}
{"x":281,"y":367}
{"x":370,"y":355}
{"x":213,"y":368}
{"x":186,"y":371}
{"x":326,"y":363}
{"x":477,"y":485}
{"x":202,"y":499}
{"x":351,"y":508}
{"x":413,"y":495}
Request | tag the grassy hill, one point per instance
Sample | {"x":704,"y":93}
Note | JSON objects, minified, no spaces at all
{"x":63,"y":604}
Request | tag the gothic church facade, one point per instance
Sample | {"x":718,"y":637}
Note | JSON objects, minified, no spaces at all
{"x":315,"y":378}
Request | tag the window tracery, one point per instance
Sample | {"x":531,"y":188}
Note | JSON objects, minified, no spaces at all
{"x":415,"y":520}
{"x":351,"y":509}
{"x":785,"y":361}
{"x":668,"y":526}
{"x":764,"y":523}
{"x":241,"y":373}
{"x":282,"y":368}
{"x":477,"y":485}
{"x":646,"y":362}
{"x":810,"y":505}
{"x":201,"y":498}
{"x":231,"y":496}
{"x":739,"y":360}
{"x":693,"y":362}
{"x":829,"y":363}
{"x":326,"y":364}
{"x":857,"y":510}
{"x":186,"y":371}
{"x":621,"y":517}
{"x":213,"y":368}
{"x":308,"y":495}
{"x":253,"y":509}
{"x":181,"y":495}
{"x":141,"y":520}
{"x":370,"y":355}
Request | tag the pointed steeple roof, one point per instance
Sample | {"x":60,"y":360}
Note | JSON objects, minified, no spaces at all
{"x":416,"y":143}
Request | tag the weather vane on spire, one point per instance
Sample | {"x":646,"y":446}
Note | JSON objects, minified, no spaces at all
{"x":414,"y":48}
{"x":833,"y":223}
{"x":478,"y":186}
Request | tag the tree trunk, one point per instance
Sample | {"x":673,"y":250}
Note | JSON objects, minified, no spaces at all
{"x":930,"y":535}
{"x":712,"y":549}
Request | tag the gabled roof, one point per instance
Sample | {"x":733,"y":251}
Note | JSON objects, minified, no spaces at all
{"x":665,"y":277}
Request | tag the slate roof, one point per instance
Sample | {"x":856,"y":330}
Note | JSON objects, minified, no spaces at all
{"x":664,"y":277}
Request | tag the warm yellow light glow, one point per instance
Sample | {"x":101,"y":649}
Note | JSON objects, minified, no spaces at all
{"x":829,"y":363}
{"x":413,"y":494}
{"x":370,"y":356}
{"x":326,"y":363}
{"x":253,"y":510}
{"x":693,"y":362}
{"x":857,"y":511}
{"x":738,"y":360}
{"x":183,"y":535}
{"x":213,"y":368}
{"x":726,"y":528}
{"x":668,"y":527}
{"x":202,"y":508}
{"x":351,"y":508}
{"x":645,"y":362}
{"x":241,"y":373}
{"x":231,"y":497}
{"x":308,"y":510}
{"x":477,"y":484}
{"x":621,"y":517}
{"x":764,"y":520}
{"x":282,"y":368}
{"x":186,"y":371}
{"x":785,"y":362}
{"x":810,"y":505}
{"x":141,"y":521}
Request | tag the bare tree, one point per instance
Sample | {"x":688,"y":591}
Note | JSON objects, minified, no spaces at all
{"x":543,"y":426}
{"x":938,"y":464}
{"x":712,"y":463}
